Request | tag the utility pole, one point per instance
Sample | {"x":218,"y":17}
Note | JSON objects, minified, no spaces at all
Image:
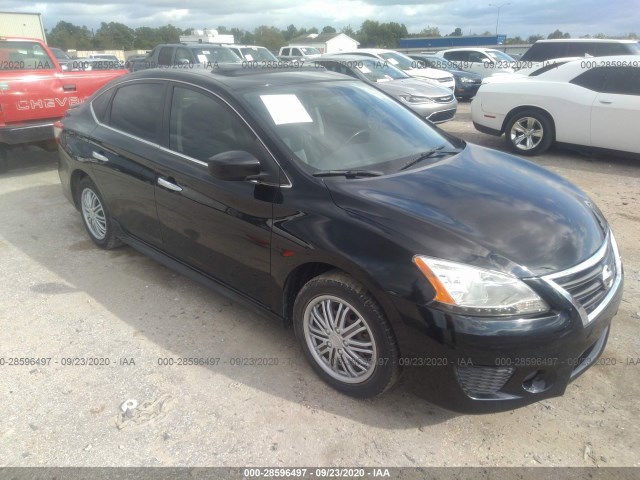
{"x":498,"y":18}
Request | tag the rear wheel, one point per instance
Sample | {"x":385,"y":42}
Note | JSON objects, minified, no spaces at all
{"x":4,"y":162}
{"x":529,"y":132}
{"x":95,"y":215}
{"x":345,"y":335}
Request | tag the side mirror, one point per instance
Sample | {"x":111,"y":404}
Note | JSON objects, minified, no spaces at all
{"x":234,"y":165}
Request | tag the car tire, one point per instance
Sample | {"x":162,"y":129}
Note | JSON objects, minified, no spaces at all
{"x":95,"y":215}
{"x":357,"y":353}
{"x":4,"y":161}
{"x":529,"y":132}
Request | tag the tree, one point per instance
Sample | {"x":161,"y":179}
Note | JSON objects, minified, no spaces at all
{"x":430,"y":32}
{"x":146,"y":38}
{"x":375,"y":34}
{"x":559,"y":34}
{"x":347,"y":30}
{"x":534,"y":38}
{"x":290,"y":32}
{"x":328,"y":29}
{"x":169,"y":34}
{"x":269,"y":37}
{"x":114,"y":36}
{"x":69,"y":36}
{"x":514,"y":41}
{"x":456,"y":33}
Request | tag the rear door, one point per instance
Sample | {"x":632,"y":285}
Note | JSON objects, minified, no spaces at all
{"x":615,"y":114}
{"x":124,"y":155}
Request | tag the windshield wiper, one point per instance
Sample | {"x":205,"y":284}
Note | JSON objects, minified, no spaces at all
{"x":347,"y":173}
{"x":428,"y":154}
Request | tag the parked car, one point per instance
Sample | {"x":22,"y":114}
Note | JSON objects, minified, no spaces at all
{"x":579,"y":47}
{"x":467,"y":83}
{"x":255,"y":54}
{"x":591,"y":103}
{"x":432,"y":102}
{"x":483,"y":61}
{"x":404,"y":63}
{"x":111,"y":60}
{"x":298,"y":52}
{"x":324,"y":203}
{"x":186,"y":55}
{"x":35,"y":91}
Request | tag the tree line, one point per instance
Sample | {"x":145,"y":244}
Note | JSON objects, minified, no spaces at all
{"x":117,"y":36}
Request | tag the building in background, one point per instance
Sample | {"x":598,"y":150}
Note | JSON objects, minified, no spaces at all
{"x":29,"y":25}
{"x":206,"y":36}
{"x":326,"y":42}
{"x":440,"y":43}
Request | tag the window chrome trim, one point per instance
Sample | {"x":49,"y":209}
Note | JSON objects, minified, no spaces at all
{"x":590,"y":262}
{"x":289,"y":184}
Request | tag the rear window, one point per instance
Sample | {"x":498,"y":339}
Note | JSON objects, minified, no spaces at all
{"x":24,"y":56}
{"x":546,"y":51}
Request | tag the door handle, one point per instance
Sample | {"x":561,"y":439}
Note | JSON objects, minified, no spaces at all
{"x":606,"y":102}
{"x":99,"y":156}
{"x":69,"y":87}
{"x":169,"y":185}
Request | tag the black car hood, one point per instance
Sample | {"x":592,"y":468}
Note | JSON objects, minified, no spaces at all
{"x":480,"y":207}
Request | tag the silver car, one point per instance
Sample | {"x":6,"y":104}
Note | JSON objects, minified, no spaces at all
{"x":437,"y":104}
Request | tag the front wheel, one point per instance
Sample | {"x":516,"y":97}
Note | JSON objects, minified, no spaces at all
{"x":345,"y":336}
{"x":529,"y":132}
{"x":95,"y":215}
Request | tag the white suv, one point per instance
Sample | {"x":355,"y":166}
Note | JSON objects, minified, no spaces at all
{"x":483,"y":61}
{"x":410,"y":66}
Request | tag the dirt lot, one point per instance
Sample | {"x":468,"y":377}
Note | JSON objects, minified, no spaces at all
{"x":63,"y":298}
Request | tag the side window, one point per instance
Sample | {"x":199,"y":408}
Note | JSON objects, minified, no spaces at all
{"x":137,"y":110}
{"x":603,"y":49}
{"x":622,"y":80}
{"x":296,"y":52}
{"x":477,"y":57}
{"x":202,"y":126}
{"x":164,"y":57}
{"x":184,"y":55}
{"x":593,"y":79}
{"x":100,"y":105}
{"x":285,"y":52}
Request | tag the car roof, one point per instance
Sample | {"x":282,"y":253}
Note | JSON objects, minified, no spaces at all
{"x":572,"y":69}
{"x":232,"y":77}
{"x":346,"y":57}
{"x":472,"y":49}
{"x":246,"y":46}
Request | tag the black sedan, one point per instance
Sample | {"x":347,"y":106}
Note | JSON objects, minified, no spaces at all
{"x":467,"y":83}
{"x":328,"y":205}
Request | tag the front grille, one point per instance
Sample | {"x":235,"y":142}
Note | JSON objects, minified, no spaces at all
{"x":443,"y":99}
{"x":443,"y":116}
{"x":483,"y":380}
{"x":589,"y":286}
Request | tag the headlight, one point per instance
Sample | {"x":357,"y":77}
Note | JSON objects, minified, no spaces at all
{"x":476,"y":291}
{"x":415,"y":99}
{"x":466,"y":80}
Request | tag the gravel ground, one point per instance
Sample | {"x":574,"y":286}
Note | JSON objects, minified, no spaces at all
{"x":64,"y":298}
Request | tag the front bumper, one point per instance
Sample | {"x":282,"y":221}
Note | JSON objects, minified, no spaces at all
{"x":466,"y":90}
{"x":480,"y":365}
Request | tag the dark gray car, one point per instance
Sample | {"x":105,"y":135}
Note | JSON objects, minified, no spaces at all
{"x":437,"y":104}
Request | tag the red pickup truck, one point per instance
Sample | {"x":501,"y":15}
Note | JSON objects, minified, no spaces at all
{"x":35,"y":92}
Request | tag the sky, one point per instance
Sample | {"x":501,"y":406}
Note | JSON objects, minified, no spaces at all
{"x":517,"y":17}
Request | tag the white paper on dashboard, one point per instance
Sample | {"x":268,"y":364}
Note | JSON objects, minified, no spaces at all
{"x":364,"y":69}
{"x":285,"y":109}
{"x":392,"y":61}
{"x":248,"y":57}
{"x":203,"y":58}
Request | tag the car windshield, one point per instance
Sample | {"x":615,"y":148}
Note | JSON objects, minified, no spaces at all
{"x":377,"y":70}
{"x":258,"y":53}
{"x":398,"y":60}
{"x":310,"y":51}
{"x":216,"y":55}
{"x":344,"y":125}
{"x":59,"y":54}
{"x":499,"y":56}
